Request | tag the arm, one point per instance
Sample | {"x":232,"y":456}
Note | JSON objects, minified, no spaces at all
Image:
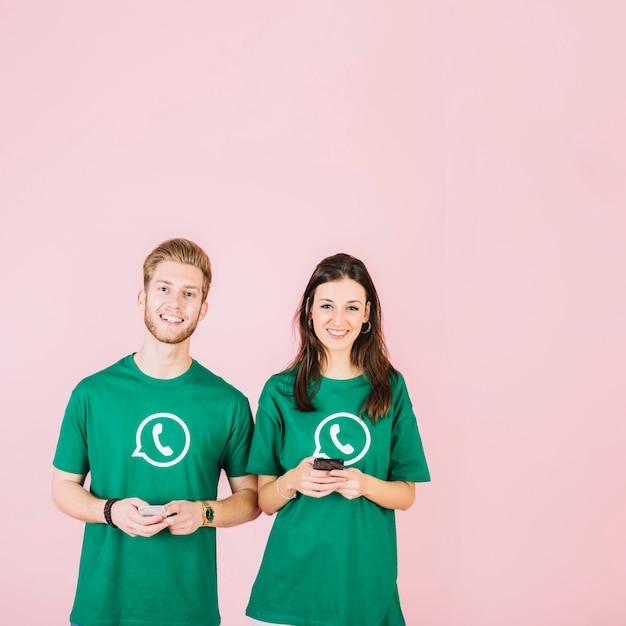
{"x":238,"y":508}
{"x":71,"y":498}
{"x":389,"y":494}
{"x":302,"y":479}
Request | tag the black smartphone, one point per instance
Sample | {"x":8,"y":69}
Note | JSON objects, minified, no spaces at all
{"x":322,"y":463}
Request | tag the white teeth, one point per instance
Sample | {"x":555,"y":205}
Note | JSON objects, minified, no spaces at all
{"x":337,"y":333}
{"x":172,"y":318}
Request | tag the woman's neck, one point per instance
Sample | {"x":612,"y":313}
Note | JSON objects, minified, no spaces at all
{"x":340,"y":367}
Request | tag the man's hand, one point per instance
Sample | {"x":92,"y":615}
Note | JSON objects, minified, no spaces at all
{"x":125,"y":516}
{"x":184,"y":517}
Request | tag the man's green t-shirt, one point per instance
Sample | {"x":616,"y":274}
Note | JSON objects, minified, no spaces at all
{"x":159,"y":440}
{"x":332,"y":561}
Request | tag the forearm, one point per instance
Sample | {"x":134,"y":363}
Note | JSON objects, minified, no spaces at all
{"x":74,"y":500}
{"x":238,"y":508}
{"x":390,"y":494}
{"x":270,"y":498}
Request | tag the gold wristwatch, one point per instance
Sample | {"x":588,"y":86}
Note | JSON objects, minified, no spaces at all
{"x":207,"y":513}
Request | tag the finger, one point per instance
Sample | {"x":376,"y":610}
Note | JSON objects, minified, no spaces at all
{"x":154,"y":529}
{"x":348,"y":494}
{"x":150,"y":520}
{"x":322,"y":484}
{"x":136,"y":502}
{"x":327,"y":481}
{"x":182,"y":529}
{"x":320,"y":489}
{"x":171,"y":508}
{"x":312,"y":493}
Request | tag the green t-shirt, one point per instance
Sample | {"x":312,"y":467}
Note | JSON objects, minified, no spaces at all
{"x":159,"y":440}
{"x":332,"y":561}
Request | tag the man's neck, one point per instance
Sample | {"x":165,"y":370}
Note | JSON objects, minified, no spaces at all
{"x":162,"y":360}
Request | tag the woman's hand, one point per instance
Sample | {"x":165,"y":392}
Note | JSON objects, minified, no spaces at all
{"x":275,"y":492}
{"x":311,"y":482}
{"x":389,"y":494}
{"x":356,"y":483}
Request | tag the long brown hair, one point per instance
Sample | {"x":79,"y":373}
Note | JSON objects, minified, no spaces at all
{"x":369,"y":351}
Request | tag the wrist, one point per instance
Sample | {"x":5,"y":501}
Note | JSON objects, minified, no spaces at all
{"x":369,"y":485}
{"x":284,"y":489}
{"x":108,"y":506}
{"x":208,"y":513}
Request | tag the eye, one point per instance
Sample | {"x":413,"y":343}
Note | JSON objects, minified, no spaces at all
{"x":353,"y":308}
{"x":161,"y":288}
{"x":190,"y":294}
{"x":326,"y":306}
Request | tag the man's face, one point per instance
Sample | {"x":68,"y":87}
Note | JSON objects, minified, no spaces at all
{"x":172,"y":302}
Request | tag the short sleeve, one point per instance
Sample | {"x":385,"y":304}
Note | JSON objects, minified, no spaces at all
{"x":408,"y":461}
{"x":268,"y":431}
{"x":235,"y":455}
{"x":71,"y":452}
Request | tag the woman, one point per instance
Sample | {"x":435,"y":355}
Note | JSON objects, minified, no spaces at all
{"x":331,"y":558}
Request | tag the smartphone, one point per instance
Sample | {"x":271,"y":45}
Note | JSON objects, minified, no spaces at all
{"x":322,"y":463}
{"x":152,"y":509}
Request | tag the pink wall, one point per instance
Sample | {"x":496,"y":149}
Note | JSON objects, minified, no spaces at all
{"x":471,"y":153}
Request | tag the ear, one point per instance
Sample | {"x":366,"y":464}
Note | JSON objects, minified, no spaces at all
{"x":141,"y":299}
{"x":203,"y":310}
{"x":367,"y":312}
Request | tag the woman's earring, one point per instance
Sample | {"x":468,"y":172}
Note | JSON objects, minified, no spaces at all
{"x":310,"y":323}
{"x":369,"y":327}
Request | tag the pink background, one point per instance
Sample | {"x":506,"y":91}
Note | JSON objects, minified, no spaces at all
{"x":471,"y":153}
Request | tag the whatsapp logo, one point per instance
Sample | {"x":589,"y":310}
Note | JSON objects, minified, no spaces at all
{"x":344,"y":436}
{"x":162,"y":439}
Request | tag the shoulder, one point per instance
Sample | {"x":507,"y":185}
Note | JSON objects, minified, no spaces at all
{"x":396,"y":379}
{"x":217,"y":384}
{"x":95,"y":380}
{"x":398,"y":384}
{"x":282,"y":382}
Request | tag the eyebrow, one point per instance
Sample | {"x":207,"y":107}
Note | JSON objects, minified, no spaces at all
{"x":348,"y":302}
{"x":169,"y":283}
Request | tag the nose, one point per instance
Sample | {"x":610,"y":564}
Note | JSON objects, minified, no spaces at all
{"x":176,"y":299}
{"x":338,"y":317}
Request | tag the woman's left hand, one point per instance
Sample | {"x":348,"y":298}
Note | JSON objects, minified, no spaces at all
{"x":390,"y":494}
{"x":357,"y":483}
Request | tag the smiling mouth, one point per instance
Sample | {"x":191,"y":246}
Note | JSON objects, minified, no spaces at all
{"x":337,"y":334}
{"x":172,"y":319}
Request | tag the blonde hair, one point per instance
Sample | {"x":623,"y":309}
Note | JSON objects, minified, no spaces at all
{"x":180,"y":251}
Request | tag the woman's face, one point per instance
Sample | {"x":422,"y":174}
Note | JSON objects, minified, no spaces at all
{"x":339,"y":311}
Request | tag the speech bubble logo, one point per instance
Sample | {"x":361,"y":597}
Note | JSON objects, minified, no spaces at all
{"x":158,"y":442}
{"x":342,"y":435}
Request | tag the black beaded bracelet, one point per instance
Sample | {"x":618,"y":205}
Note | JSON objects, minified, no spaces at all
{"x":107,"y":511}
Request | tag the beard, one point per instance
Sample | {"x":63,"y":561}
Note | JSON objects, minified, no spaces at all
{"x":183,"y":334}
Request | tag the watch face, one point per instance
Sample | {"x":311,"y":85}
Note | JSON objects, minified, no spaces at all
{"x":209,"y":514}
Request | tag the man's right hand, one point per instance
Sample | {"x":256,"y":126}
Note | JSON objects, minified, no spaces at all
{"x":125,"y":516}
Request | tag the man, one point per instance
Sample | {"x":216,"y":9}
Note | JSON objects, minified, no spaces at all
{"x":156,"y":428}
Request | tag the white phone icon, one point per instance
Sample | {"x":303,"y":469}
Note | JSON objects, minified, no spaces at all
{"x":344,"y":449}
{"x":157,"y":429}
